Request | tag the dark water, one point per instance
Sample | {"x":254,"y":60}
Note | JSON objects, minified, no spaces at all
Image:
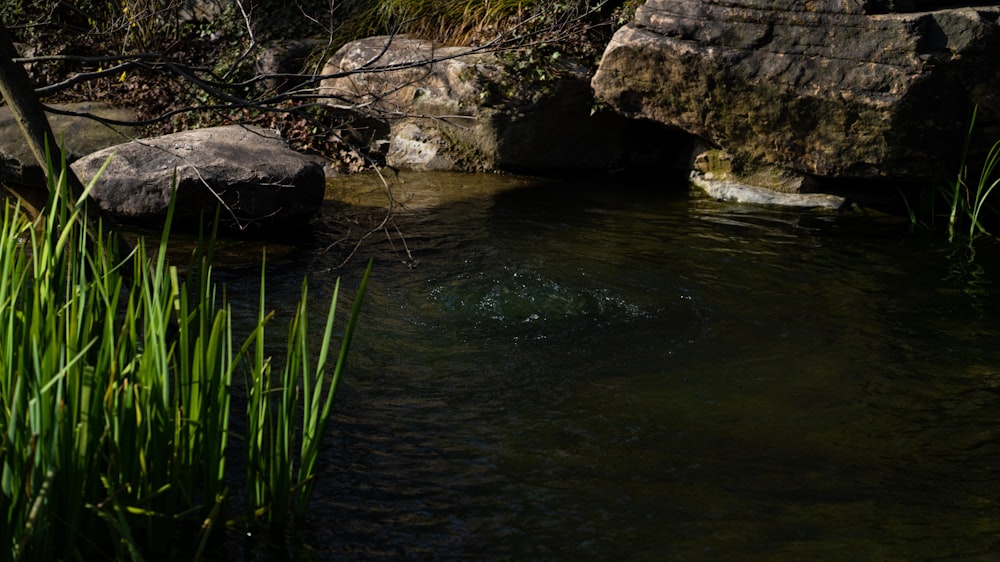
{"x":627,"y":371}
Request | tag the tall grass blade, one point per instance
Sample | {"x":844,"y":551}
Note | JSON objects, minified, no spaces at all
{"x":319,"y":418}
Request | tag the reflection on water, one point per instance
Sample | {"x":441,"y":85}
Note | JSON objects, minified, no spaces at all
{"x":604,"y":372}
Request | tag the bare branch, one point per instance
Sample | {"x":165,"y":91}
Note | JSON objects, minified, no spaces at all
{"x":232,"y":92}
{"x":253,"y":39}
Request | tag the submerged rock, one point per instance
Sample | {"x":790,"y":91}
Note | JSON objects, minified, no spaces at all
{"x":712,"y":171}
{"x":739,"y":192}
{"x":868,"y":89}
{"x":250,"y":171}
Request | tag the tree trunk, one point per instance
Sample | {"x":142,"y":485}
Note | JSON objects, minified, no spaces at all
{"x":19,"y":94}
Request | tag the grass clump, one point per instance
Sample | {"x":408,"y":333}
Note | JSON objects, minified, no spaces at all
{"x":115,"y":387}
{"x":968,"y":198}
{"x":457,"y":21}
{"x":968,"y":207}
{"x":578,"y":28}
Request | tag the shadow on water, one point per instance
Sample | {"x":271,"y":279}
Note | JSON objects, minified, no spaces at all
{"x":592,"y":371}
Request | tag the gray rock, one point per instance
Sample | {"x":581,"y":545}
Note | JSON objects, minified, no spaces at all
{"x":712,"y":171}
{"x":283,"y":60}
{"x":419,"y":148}
{"x":199,"y":10}
{"x":249,"y":170}
{"x":452,"y":108}
{"x":832,"y":88}
{"x":712,"y":164}
{"x":739,"y":192}
{"x":78,"y":136}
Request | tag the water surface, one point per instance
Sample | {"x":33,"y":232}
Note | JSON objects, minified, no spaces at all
{"x":626,"y":370}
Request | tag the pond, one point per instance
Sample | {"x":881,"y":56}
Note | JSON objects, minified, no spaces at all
{"x":625,"y":369}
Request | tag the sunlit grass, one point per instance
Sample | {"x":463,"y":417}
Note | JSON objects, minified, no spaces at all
{"x":460,"y":22}
{"x":452,"y":21}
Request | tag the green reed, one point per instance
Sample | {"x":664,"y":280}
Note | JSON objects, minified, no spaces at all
{"x":115,"y":386}
{"x":287,"y":422}
{"x":967,"y":200}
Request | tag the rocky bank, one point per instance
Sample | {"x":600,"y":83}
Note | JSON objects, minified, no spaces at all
{"x":828,"y":88}
{"x":754,"y":97}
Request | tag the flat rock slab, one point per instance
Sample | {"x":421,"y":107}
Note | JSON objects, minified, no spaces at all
{"x":830,"y":88}
{"x":250,"y":171}
{"x":78,"y":135}
{"x":729,"y":190}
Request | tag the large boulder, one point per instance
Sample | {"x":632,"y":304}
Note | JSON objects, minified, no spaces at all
{"x":456,"y":108}
{"x":250,"y":171}
{"x":832,"y":88}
